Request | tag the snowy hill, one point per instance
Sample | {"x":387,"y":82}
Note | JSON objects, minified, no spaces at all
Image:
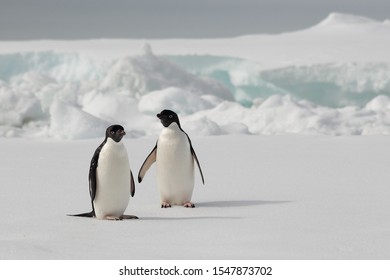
{"x":337,"y":20}
{"x":321,"y":80}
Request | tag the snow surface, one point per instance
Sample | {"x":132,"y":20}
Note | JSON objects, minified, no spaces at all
{"x":266,"y":197}
{"x":325,"y":80}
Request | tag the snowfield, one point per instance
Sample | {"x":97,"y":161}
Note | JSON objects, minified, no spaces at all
{"x":266,"y":197}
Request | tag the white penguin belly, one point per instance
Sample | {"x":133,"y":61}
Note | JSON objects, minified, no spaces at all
{"x":112,"y":181}
{"x":175,"y":166}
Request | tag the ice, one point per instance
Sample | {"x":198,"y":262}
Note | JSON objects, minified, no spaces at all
{"x":15,"y":110}
{"x":333,"y":85}
{"x":69,"y":122}
{"x":62,"y":66}
{"x":145,"y":73}
{"x":329,"y":79}
{"x":204,"y":127}
{"x":379,"y":104}
{"x":110,"y":107}
{"x":177,"y":99}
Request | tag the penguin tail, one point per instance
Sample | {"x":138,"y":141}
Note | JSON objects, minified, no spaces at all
{"x":87,"y":215}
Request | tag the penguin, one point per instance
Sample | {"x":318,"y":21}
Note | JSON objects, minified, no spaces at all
{"x":174,"y":157}
{"x":110,"y":179}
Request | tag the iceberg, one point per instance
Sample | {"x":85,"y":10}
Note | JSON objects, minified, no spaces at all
{"x":331,"y":79}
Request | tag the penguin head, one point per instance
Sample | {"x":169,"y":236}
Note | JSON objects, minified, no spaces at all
{"x":167,"y":117}
{"x":115,"y":132}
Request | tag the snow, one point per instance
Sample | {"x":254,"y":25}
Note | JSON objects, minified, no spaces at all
{"x":265,"y":197}
{"x":262,"y":112}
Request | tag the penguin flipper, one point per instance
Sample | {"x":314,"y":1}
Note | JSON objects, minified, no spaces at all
{"x":147,"y":163}
{"x":197,"y":162}
{"x":92,"y":171}
{"x":92,"y":175}
{"x":132,"y":184}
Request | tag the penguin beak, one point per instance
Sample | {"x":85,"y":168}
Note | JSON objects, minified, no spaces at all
{"x":159,"y":116}
{"x":123,"y":133}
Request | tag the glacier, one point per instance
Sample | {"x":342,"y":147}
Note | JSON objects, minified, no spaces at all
{"x":326,"y":80}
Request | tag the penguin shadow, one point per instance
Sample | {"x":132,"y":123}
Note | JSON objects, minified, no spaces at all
{"x":239,"y":203}
{"x":220,"y":204}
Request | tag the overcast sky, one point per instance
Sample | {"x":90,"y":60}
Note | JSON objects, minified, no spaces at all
{"x":82,"y":19}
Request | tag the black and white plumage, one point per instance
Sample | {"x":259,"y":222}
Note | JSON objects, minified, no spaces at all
{"x":110,"y":179}
{"x":174,"y":157}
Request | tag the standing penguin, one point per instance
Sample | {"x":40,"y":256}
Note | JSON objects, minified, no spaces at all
{"x":110,"y":179}
{"x":174,"y":157}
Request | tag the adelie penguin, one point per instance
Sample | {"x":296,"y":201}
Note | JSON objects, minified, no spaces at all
{"x":110,"y":179}
{"x":174,"y":157}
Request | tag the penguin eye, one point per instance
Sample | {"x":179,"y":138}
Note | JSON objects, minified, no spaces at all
{"x":112,"y":132}
{"x":170,"y":116}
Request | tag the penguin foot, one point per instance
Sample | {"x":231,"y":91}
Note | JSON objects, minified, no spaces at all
{"x":128,"y":217}
{"x":165,"y":205}
{"x":112,"y":218}
{"x":189,"y":205}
